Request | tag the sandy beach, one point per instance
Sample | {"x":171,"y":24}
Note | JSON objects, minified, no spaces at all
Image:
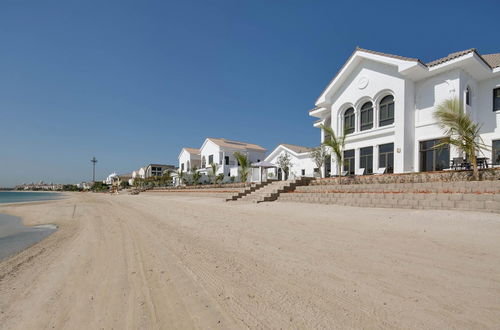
{"x":154,"y":261}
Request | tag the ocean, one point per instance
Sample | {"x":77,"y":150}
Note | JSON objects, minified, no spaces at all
{"x":26,"y":196}
{"x":14,"y":236}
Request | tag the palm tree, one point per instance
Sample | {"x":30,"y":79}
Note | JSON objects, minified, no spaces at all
{"x":461,"y":131}
{"x":244,"y":165}
{"x":336,"y":143}
{"x":214,"y":171}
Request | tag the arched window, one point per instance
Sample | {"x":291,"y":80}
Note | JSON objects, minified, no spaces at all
{"x":386,"y":112}
{"x":467,"y":96}
{"x":349,"y":121}
{"x":366,"y":116}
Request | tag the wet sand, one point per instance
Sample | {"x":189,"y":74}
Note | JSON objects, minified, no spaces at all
{"x":157,"y":261}
{"x":15,"y":237}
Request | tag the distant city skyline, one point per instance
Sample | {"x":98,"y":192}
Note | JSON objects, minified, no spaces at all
{"x":131,"y":83}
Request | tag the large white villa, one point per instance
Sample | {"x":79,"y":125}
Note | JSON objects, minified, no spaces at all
{"x":218,"y":151}
{"x":385,"y":103}
{"x":300,"y":159}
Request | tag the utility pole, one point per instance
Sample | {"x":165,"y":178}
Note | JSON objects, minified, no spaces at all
{"x":93,"y":160}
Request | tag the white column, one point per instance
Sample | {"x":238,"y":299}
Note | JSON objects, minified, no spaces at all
{"x":375,"y":158}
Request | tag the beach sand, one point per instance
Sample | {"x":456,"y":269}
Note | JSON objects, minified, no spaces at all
{"x":157,"y":261}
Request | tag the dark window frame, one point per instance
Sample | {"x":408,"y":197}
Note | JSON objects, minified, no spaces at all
{"x":349,"y":121}
{"x":427,"y":150}
{"x":366,"y":159}
{"x":386,"y":106}
{"x":366,"y":111}
{"x":495,"y":152}
{"x":387,"y":156}
{"x":496,"y":99}
{"x":349,"y":161}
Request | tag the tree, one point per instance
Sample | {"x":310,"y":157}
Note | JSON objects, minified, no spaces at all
{"x":244,"y":165}
{"x":219,"y":178}
{"x":180,"y":176}
{"x":285,"y":163}
{"x":461,"y":131}
{"x":214,"y":172}
{"x":337,"y":144}
{"x":319,"y":155}
{"x":196,"y":176}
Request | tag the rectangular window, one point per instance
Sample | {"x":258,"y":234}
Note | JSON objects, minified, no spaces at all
{"x":226,"y":160}
{"x":386,"y":114}
{"x":386,"y":157}
{"x":496,"y":99}
{"x":303,"y":172}
{"x":495,"y":152}
{"x":210,"y":159}
{"x":349,"y":161}
{"x":366,"y":119}
{"x":182,"y":167}
{"x":432,"y":158}
{"x":366,"y":159}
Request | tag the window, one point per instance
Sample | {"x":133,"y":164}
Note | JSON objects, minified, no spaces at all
{"x":226,"y":160}
{"x":386,"y":157}
{"x":203,"y":162}
{"x":496,"y":99}
{"x":349,"y":121}
{"x":386,"y":112}
{"x":366,"y":116}
{"x":495,"y":152}
{"x":349,"y":161}
{"x":366,"y":159}
{"x":182,"y":167}
{"x":210,"y":159}
{"x":432,"y":158}
{"x":303,"y":172}
{"x":467,"y":96}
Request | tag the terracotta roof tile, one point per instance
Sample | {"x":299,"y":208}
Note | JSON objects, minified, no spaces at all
{"x":451,"y":57}
{"x":295,"y":148}
{"x":492,"y":59}
{"x":221,"y":142}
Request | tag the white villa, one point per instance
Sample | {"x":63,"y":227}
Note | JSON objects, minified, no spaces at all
{"x":189,"y":158}
{"x":385,"y":103}
{"x":149,"y":171}
{"x":219,"y":151}
{"x":301,"y":162}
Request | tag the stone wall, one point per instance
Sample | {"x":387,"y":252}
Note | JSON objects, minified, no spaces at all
{"x":417,"y":177}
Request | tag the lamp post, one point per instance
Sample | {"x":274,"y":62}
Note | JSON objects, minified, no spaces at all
{"x":93,"y":160}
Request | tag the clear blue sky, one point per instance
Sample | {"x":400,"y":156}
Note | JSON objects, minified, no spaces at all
{"x":131,"y":82}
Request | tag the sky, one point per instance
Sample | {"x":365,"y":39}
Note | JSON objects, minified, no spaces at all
{"x":132,"y":82}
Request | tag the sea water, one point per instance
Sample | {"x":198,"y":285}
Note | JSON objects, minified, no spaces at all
{"x":14,"y":235}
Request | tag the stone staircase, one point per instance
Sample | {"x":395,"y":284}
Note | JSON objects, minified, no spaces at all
{"x":272,"y":191}
{"x":464,"y":195}
{"x":248,"y":190}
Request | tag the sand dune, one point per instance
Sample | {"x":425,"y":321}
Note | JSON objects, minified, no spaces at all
{"x":176,"y":262}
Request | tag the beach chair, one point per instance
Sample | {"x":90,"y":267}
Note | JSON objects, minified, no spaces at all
{"x":360,"y":171}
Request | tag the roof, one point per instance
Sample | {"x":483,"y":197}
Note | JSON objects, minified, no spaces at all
{"x":221,"y":142}
{"x":451,"y":57}
{"x":404,"y":58}
{"x":192,"y":150}
{"x":295,"y":148}
{"x":492,"y":59}
{"x":161,"y":165}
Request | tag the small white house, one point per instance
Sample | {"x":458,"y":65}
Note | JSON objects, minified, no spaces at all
{"x":300,"y":159}
{"x":110,"y":178}
{"x":189,"y":158}
{"x":219,"y":151}
{"x":386,"y":103}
